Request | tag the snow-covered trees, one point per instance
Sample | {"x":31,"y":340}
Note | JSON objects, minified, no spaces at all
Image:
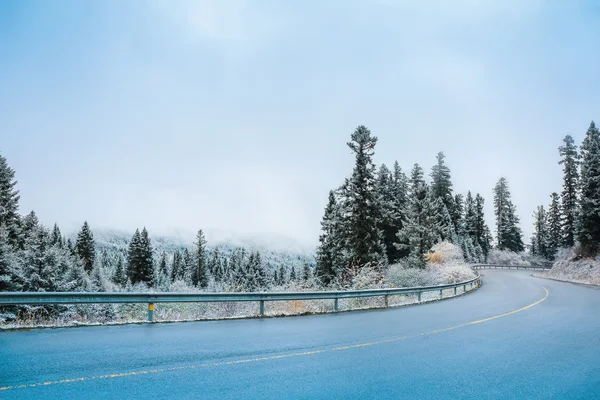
{"x":199,"y":273}
{"x":509,"y":235}
{"x":539,"y":243}
{"x":365,"y":244}
{"x":329,"y":250}
{"x":554,"y":226}
{"x":588,"y":232}
{"x":85,"y":247}
{"x":140,"y":259}
{"x":569,"y":197}
{"x":9,"y":202}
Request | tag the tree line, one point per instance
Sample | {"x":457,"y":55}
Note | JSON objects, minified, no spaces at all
{"x":380,"y":216}
{"x":573,"y":216}
{"x":34,"y":258}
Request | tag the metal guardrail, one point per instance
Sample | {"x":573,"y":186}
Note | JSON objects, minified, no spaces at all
{"x":498,"y":266}
{"x":21,"y":298}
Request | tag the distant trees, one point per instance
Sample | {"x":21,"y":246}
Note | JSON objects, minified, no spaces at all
{"x":140,"y":264}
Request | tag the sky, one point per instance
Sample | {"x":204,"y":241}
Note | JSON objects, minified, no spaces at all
{"x":233,"y":116}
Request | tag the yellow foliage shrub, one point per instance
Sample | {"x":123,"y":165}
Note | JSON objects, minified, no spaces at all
{"x":435,"y":258}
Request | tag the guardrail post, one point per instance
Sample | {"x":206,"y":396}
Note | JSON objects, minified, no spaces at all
{"x":386,"y":300}
{"x":464,"y":288}
{"x":150,"y":312}
{"x":335,"y":304}
{"x":262,"y":308}
{"x":440,"y":293}
{"x":419,"y":297}
{"x":455,"y":290}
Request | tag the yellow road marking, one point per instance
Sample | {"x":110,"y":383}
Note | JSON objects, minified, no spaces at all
{"x":249,"y":360}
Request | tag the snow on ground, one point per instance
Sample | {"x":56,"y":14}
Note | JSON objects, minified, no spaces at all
{"x":567,"y":268}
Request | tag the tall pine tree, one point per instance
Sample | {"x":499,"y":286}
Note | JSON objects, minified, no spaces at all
{"x":588,"y":233}
{"x":554,"y":226}
{"x":9,"y":202}
{"x":85,"y":247}
{"x":364,"y":238}
{"x":509,"y":235}
{"x":199,"y":272}
{"x":569,"y":198}
{"x":539,"y":244}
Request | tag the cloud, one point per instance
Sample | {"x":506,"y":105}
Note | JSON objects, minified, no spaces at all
{"x":239,"y":23}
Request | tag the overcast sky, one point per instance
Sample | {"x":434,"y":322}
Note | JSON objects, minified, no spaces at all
{"x":233,"y":116}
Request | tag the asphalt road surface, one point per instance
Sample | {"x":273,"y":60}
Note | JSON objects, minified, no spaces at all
{"x":517,"y":337}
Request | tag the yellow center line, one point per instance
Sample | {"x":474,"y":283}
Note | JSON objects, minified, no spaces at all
{"x":250,"y":360}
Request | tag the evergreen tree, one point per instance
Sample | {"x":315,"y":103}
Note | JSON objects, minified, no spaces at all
{"x":459,"y":214}
{"x":509,"y":235}
{"x":140,"y":260}
{"x":328,"y":255}
{"x":470,"y":219}
{"x":420,"y":230}
{"x":365,"y":243}
{"x":588,"y":232}
{"x":400,"y":204}
{"x":293,"y":274}
{"x":9,"y":203}
{"x":120,"y":275}
{"x":199,"y":273}
{"x":56,"y":238}
{"x":188,"y":266}
{"x":162,"y":265}
{"x":40,"y":263}
{"x":388,"y":218}
{"x":539,"y":245}
{"x":554,"y":226}
{"x":85,"y":247}
{"x":29,"y":226}
{"x":483,"y":236}
{"x":281,"y":276}
{"x":441,"y":184}
{"x":306,"y":273}
{"x":570,"y":161}
{"x":177,"y":269}
{"x":9,"y":280}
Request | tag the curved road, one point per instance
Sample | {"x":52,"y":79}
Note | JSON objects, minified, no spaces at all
{"x":517,"y":337}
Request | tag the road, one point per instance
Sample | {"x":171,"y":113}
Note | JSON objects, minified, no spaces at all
{"x":517,"y":337}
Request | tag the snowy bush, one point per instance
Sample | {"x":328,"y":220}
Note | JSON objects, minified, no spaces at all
{"x":504,"y":257}
{"x":448,"y":252}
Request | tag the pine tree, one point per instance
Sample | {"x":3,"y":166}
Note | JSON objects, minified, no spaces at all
{"x":483,"y":236}
{"x":400,"y":204}
{"x":470,"y":219}
{"x":199,"y":272}
{"x":162,"y":265}
{"x":120,"y":276}
{"x":40,"y":263}
{"x":293,"y":274}
{"x":140,"y":259}
{"x":177,"y":269}
{"x":9,"y":280}
{"x":365,"y":243}
{"x":306,"y":273}
{"x":441,"y":184}
{"x":588,"y":232}
{"x":420,"y":230}
{"x":569,"y":197}
{"x":388,"y":219}
{"x":554,"y":226}
{"x":458,"y":217}
{"x":509,"y":235}
{"x":85,"y":247}
{"x":188,"y":266}
{"x":539,"y":244}
{"x":281,"y":276}
{"x":328,"y":255}
{"x":56,"y":238}
{"x":9,"y":203}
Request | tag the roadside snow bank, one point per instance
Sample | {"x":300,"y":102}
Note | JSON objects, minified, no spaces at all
{"x":566,"y":268}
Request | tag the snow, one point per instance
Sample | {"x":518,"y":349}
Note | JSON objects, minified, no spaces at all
{"x":566,"y":268}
